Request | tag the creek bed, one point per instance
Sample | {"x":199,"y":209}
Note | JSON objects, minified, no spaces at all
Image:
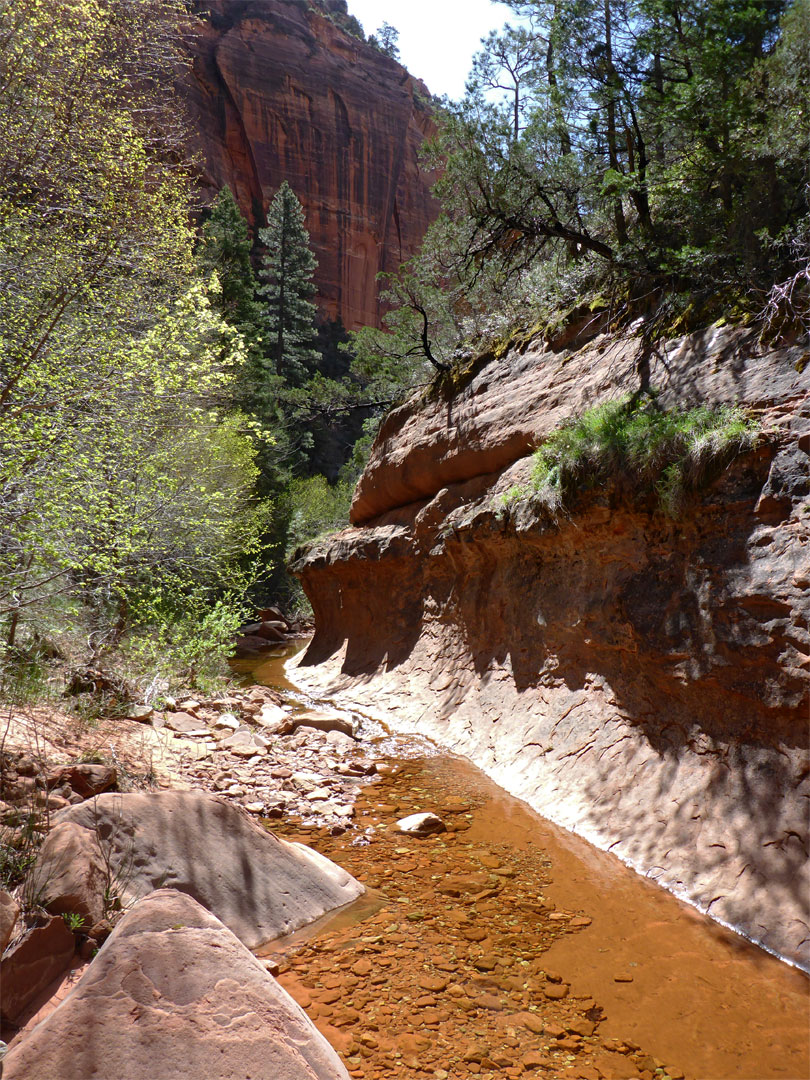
{"x":668,"y":988}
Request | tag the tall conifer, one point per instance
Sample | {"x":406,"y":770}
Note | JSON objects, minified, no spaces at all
{"x":287,"y":271}
{"x":225,"y":247}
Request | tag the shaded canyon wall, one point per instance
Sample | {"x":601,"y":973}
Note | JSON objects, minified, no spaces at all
{"x":278,"y":92}
{"x":638,"y":679}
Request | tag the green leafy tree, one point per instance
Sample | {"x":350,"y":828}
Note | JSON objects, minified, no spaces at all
{"x":633,"y":162}
{"x":225,"y":247}
{"x":511,"y":62}
{"x":279,"y":395}
{"x":783,"y":84}
{"x":385,"y":39}
{"x":120,"y":468}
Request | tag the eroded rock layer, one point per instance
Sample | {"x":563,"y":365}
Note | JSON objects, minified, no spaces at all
{"x":640,"y":679}
{"x":278,"y":92}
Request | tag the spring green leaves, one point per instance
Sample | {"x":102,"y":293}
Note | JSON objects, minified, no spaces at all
{"x":123,"y":465}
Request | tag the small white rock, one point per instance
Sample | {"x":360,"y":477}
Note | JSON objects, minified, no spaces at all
{"x":227,"y":720}
{"x":420,"y":824}
{"x":139,"y":712}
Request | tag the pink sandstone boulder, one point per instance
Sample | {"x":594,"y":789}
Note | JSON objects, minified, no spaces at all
{"x":115,"y":849}
{"x":173,"y":994}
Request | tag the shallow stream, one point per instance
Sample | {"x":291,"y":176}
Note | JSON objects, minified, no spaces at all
{"x":682,"y":987}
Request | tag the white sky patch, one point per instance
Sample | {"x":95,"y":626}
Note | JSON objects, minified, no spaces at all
{"x":437,"y":38}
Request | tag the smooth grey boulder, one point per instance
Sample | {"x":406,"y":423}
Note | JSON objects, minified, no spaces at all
{"x":259,"y":886}
{"x":172,"y":994}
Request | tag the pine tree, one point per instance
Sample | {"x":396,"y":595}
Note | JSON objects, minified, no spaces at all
{"x":287,"y":270}
{"x":386,"y":39}
{"x":225,"y":247}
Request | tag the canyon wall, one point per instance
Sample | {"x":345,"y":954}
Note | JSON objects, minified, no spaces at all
{"x":279,"y":92}
{"x":639,"y":679}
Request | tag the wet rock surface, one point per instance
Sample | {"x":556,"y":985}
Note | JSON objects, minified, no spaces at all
{"x":449,"y":977}
{"x":459,"y":960}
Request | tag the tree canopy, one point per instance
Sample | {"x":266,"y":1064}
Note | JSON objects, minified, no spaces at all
{"x":123,"y":470}
{"x":287,"y":271}
{"x":647,"y":154}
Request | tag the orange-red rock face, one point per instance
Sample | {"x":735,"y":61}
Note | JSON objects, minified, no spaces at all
{"x":278,"y":92}
{"x":639,"y":679}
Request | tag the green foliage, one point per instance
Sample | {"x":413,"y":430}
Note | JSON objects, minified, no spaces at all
{"x":23,"y":674}
{"x":295,"y":384}
{"x":517,"y":493}
{"x":18,"y":851}
{"x":434,"y":305}
{"x":784,"y":82}
{"x":287,"y":270}
{"x":649,"y":153}
{"x":183,"y":643}
{"x":385,"y":39}
{"x":121,"y":468}
{"x":635,"y":443}
{"x":337,"y":12}
{"x":224,"y":248}
{"x":278,"y":388}
{"x":510,"y":61}
{"x":317,"y":508}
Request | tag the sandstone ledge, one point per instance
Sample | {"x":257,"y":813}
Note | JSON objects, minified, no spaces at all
{"x":639,"y":680}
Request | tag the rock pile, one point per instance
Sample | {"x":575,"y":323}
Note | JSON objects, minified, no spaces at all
{"x":28,"y":786}
{"x":272,"y":629}
{"x":252,"y":749}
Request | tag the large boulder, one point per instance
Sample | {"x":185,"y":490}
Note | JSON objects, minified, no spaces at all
{"x":122,"y":847}
{"x":173,"y":994}
{"x":72,"y":876}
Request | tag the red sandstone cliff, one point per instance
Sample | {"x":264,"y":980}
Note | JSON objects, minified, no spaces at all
{"x":638,"y":679}
{"x":280,"y":93}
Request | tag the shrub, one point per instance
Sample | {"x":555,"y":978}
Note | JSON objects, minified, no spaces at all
{"x":317,"y":508}
{"x":666,"y":453}
{"x":186,"y":647}
{"x":18,"y":851}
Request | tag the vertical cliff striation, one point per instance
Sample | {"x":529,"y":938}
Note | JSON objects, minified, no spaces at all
{"x":640,"y":679}
{"x":279,"y":92}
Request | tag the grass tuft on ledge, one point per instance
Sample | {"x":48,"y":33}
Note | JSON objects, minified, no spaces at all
{"x":639,"y":445}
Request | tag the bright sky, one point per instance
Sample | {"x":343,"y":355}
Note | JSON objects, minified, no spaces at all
{"x":437,"y":38}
